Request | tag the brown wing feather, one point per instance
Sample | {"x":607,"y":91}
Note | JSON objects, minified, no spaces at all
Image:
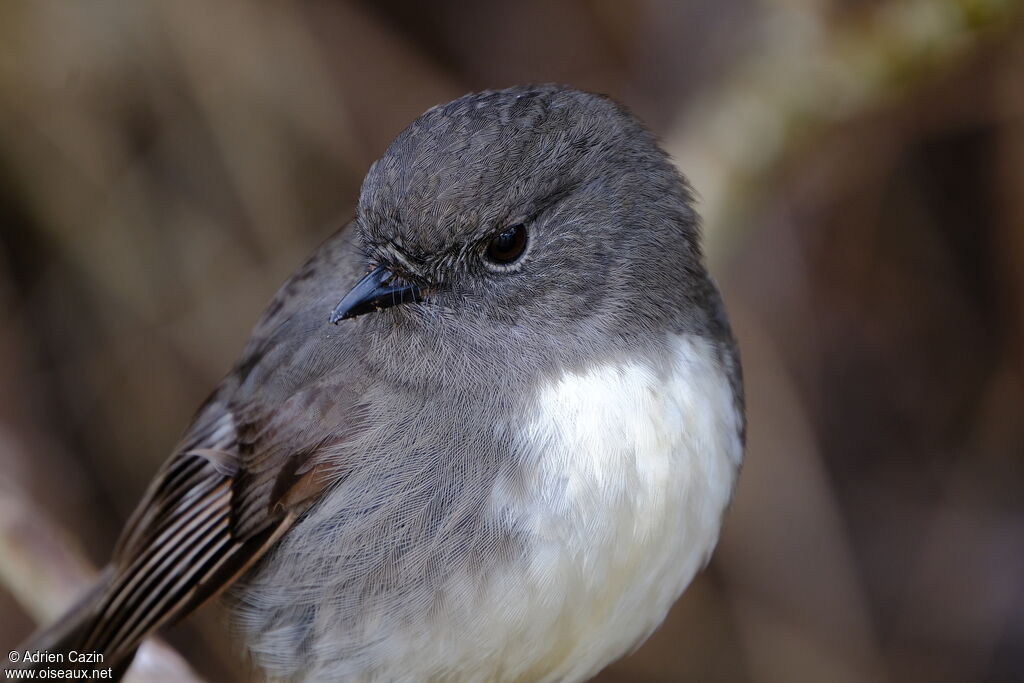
{"x":205,"y":519}
{"x":182,"y":552}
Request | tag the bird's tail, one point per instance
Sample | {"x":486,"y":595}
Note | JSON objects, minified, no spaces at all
{"x":65,"y":643}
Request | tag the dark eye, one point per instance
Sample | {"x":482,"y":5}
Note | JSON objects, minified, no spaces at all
{"x":508,"y":245}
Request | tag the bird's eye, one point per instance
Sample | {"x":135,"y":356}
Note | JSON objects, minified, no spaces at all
{"x":508,"y":245}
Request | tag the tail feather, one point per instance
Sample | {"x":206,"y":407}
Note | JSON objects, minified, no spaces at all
{"x":71,"y":633}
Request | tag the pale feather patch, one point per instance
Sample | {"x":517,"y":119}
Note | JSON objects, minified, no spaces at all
{"x":627,"y":496}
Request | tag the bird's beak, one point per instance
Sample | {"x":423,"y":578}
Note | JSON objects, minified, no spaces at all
{"x":373,"y":293}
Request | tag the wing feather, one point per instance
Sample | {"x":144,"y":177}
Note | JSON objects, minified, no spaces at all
{"x":199,"y":526}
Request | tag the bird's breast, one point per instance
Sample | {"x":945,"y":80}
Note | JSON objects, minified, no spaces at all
{"x":622,"y":495}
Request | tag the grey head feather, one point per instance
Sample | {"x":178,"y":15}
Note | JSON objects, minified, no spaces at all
{"x":612,"y":264}
{"x":613,"y":258}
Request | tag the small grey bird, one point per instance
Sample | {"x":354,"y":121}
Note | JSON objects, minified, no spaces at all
{"x":502,"y":456}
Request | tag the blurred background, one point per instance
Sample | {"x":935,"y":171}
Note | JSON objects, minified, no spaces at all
{"x":860,"y":166}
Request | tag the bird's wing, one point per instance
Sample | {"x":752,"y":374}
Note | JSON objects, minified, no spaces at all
{"x":248,"y":467}
{"x":213,"y":510}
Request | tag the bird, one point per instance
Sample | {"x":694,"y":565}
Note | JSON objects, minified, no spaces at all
{"x":488,"y":431}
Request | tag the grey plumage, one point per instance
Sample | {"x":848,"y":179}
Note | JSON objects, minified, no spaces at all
{"x":373,"y":482}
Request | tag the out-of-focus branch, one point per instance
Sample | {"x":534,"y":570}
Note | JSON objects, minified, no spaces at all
{"x":814,"y":69}
{"x":37,"y":564}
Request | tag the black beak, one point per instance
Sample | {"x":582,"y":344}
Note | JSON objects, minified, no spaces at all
{"x":372,"y":293}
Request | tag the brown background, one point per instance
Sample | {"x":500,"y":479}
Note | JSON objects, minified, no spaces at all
{"x":163,"y":166}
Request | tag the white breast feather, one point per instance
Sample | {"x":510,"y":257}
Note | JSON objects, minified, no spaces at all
{"x":627,"y":496}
